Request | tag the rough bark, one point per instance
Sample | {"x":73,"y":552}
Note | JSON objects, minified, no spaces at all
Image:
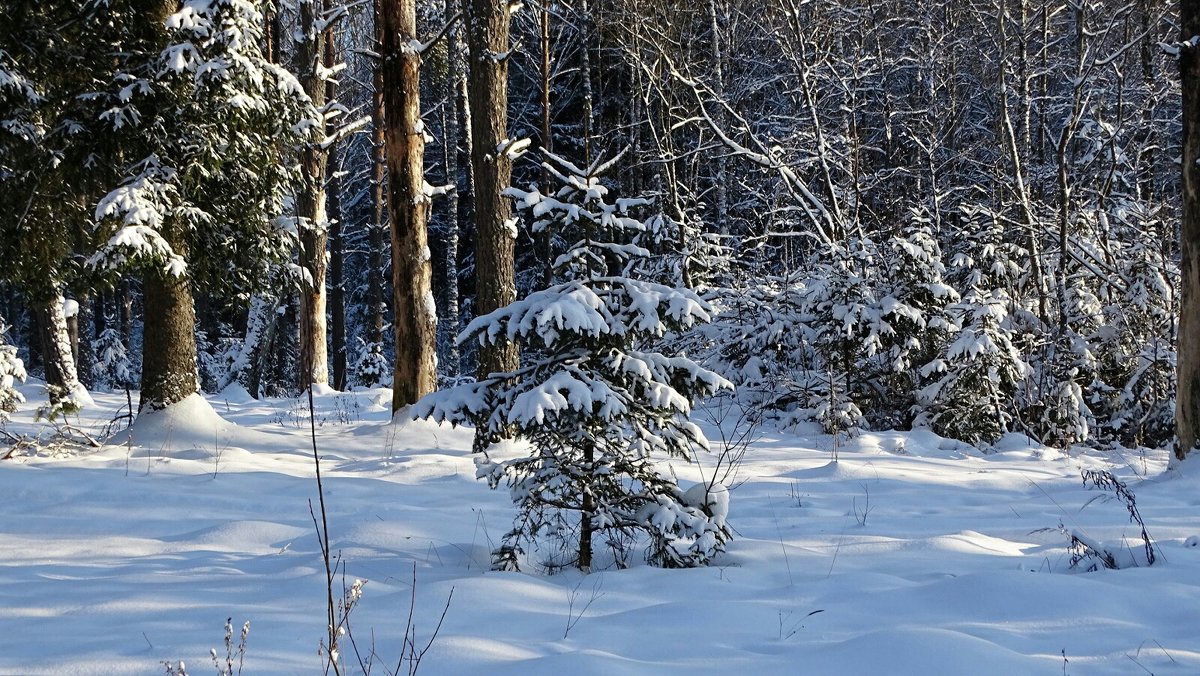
{"x":1187,"y":398}
{"x":310,"y":208}
{"x":375,"y":238}
{"x":544,"y":239}
{"x":337,"y":296}
{"x":487,"y":23}
{"x":452,"y":128}
{"x":62,"y":379}
{"x":585,"y":71}
{"x":169,"y":332}
{"x":415,"y":323}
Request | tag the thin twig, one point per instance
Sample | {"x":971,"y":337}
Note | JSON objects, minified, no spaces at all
{"x":323,"y":539}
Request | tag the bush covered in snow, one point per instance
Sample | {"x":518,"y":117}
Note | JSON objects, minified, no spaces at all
{"x":11,"y":369}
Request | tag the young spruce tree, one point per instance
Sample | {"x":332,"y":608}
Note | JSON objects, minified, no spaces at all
{"x":594,"y":399}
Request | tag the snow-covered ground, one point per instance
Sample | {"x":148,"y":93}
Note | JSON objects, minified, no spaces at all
{"x":908,"y":555}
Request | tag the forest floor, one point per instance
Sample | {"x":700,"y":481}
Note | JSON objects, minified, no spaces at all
{"x":888,"y":553}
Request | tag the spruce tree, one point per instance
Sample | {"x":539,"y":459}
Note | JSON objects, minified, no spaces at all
{"x":595,"y":401}
{"x":207,"y":120}
{"x":11,"y":370}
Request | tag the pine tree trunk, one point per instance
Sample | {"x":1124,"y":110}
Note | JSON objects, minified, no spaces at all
{"x":1187,"y":398}
{"x":587,"y":510}
{"x":544,"y":239}
{"x":85,"y":356}
{"x":310,"y":208}
{"x":126,"y":300}
{"x":488,"y":46}
{"x":169,"y":333}
{"x":62,"y":379}
{"x":585,"y":71}
{"x":452,"y":129}
{"x":337,"y":296}
{"x":415,"y":323}
{"x":375,"y":238}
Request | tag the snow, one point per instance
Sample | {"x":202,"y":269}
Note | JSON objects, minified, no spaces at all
{"x":908,"y":554}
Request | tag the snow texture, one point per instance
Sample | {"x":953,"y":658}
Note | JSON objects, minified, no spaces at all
{"x":959,"y":567}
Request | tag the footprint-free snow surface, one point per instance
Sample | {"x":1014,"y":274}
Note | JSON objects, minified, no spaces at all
{"x":889,"y":553}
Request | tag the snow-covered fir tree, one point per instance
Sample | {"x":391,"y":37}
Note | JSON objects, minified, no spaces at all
{"x":205,"y":122}
{"x":372,"y":368}
{"x":597,"y":404}
{"x":12,"y":369}
{"x":112,"y":369}
{"x":1135,"y":346}
{"x":976,"y":376}
{"x":915,"y":305}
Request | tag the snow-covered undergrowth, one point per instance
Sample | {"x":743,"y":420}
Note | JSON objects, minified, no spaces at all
{"x":910,"y":554}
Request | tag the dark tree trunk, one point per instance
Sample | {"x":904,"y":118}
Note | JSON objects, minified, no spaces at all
{"x":126,"y":301}
{"x":452,"y":128}
{"x":337,"y":296}
{"x":544,"y":239}
{"x":487,"y":23}
{"x":415,"y":314}
{"x":337,"y":293}
{"x":375,"y":232}
{"x":55,"y":340}
{"x":169,"y":362}
{"x":1187,"y":398}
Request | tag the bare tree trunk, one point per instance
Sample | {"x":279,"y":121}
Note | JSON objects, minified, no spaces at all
{"x":310,"y":207}
{"x":375,"y":238}
{"x":126,"y":301}
{"x":337,"y":293}
{"x":62,"y":379}
{"x":337,"y":296}
{"x":415,"y":322}
{"x":544,"y":238}
{"x":488,"y":47}
{"x":452,"y":128}
{"x":169,"y":363}
{"x":1187,"y":398}
{"x":585,"y":68}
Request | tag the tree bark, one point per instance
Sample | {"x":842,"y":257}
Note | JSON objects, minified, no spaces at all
{"x":488,"y":46}
{"x":415,"y":323}
{"x":62,"y":379}
{"x":375,"y":238}
{"x":1187,"y":398}
{"x":169,"y":334}
{"x":310,"y":209}
{"x":544,"y":239}
{"x":337,"y":296}
{"x":337,"y":293}
{"x":452,"y":128}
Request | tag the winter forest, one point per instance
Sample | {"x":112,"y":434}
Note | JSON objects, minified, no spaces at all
{"x":661,"y":271}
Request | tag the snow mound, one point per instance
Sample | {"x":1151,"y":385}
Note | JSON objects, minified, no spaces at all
{"x":187,"y":423}
{"x":234,"y":393}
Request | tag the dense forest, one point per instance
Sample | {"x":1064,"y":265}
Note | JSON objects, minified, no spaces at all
{"x":880,"y":214}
